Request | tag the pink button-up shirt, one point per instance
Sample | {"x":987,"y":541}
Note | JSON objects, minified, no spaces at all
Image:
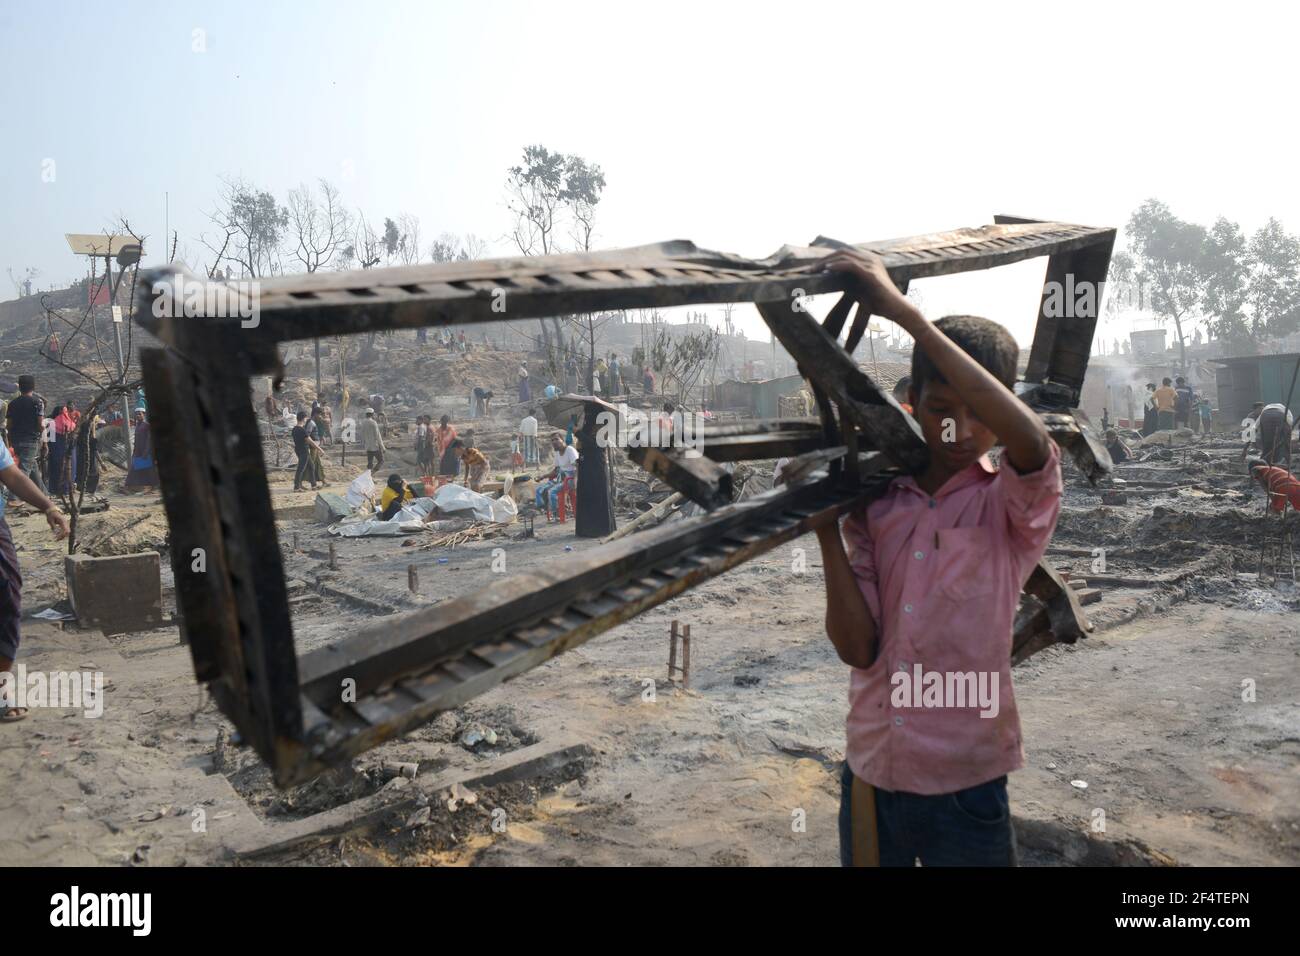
{"x":942,"y":577}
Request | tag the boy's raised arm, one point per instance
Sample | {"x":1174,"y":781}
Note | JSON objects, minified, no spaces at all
{"x":1017,"y":427}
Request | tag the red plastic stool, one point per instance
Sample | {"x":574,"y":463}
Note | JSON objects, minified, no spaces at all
{"x":567,"y":491}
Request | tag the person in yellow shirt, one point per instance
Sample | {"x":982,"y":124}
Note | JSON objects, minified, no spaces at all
{"x":1166,"y":398}
{"x":395,"y":492}
{"x":475,"y":462}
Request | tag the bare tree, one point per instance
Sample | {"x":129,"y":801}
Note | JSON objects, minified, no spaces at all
{"x":110,"y":375}
{"x":408,"y":239}
{"x":449,"y":247}
{"x":319,"y":229}
{"x":252,"y":227}
{"x":682,"y":359}
{"x":473,"y":246}
{"x":366,"y":250}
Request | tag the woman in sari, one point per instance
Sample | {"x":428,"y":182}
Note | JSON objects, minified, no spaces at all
{"x":444,"y":435}
{"x":143,"y":473}
{"x":63,"y":456}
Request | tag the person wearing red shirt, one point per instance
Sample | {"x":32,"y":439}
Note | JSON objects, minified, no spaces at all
{"x":1281,"y":485}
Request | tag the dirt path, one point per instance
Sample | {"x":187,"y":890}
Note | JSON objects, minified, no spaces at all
{"x":739,"y":769}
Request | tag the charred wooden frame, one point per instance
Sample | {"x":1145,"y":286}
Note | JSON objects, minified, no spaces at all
{"x":404,"y":669}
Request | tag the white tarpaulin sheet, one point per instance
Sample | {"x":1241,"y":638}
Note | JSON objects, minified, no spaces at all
{"x":361,"y":489}
{"x":453,"y":499}
{"x":410,"y":520}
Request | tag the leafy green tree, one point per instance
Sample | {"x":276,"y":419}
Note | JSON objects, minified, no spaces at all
{"x":1273,"y":261}
{"x":535,"y":196}
{"x":1223,"y":297}
{"x":1170,"y":259}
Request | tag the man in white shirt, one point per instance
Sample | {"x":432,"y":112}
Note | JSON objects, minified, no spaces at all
{"x":1273,"y":434}
{"x":566,"y":469}
{"x":528,"y":437}
{"x":372,"y":440}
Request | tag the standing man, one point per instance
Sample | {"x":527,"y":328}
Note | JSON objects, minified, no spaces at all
{"x":372,"y":440}
{"x":1149,"y":416}
{"x":528,"y":437}
{"x":525,"y":393}
{"x":25,"y":419}
{"x":319,"y":426}
{"x":1182,"y":403}
{"x":1166,"y":400}
{"x":303,"y":443}
{"x":21,"y":486}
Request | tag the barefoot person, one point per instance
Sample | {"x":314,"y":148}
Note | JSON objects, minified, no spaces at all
{"x":11,"y":581}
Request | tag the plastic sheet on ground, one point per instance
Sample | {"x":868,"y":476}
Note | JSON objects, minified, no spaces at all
{"x":455,"y":498}
{"x":361,"y":489}
{"x":410,"y":520}
{"x":452,"y":500}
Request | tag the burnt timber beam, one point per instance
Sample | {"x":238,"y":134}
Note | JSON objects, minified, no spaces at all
{"x":1063,"y":335}
{"x":287,"y":706}
{"x":1050,"y":615}
{"x":450,"y":654}
{"x":884,"y":424}
{"x":700,"y":479}
{"x":752,"y":447}
{"x":501,"y":290}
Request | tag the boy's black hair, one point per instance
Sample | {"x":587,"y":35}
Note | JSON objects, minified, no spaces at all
{"x":26,"y":383}
{"x":984,"y":340}
{"x":394,"y":481}
{"x":1165,"y":382}
{"x":301,"y":416}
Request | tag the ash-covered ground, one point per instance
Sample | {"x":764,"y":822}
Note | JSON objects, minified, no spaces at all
{"x":1150,"y":712}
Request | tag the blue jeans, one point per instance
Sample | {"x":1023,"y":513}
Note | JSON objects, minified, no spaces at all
{"x":28,"y":454}
{"x":970,"y":827}
{"x":549,"y":489}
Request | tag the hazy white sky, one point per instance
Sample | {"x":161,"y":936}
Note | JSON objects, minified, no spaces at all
{"x":737,"y":125}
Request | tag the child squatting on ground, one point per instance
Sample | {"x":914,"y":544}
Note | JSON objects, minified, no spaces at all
{"x":925,"y":596}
